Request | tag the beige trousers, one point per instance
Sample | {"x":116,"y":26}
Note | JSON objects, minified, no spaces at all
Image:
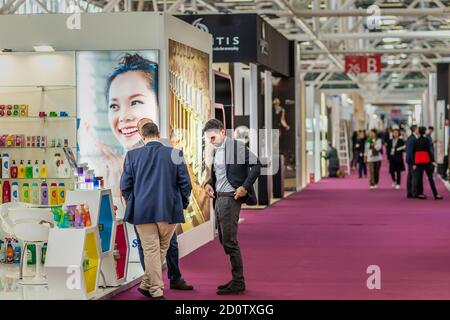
{"x":155,"y":240}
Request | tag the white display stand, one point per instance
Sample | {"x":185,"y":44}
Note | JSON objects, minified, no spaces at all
{"x":102,"y":215}
{"x":64,"y":263}
{"x":66,"y":247}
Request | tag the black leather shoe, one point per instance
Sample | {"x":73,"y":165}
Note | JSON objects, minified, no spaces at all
{"x":145,"y":292}
{"x":181,"y":285}
{"x":231,"y":289}
{"x":438,"y":197}
{"x":226,"y":285}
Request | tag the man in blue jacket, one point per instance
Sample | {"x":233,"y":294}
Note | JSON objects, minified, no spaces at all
{"x":156,"y":186}
{"x":177,"y":282}
{"x":411,"y":179}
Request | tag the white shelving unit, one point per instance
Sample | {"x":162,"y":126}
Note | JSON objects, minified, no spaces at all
{"x":102,"y":213}
{"x":46,"y":83}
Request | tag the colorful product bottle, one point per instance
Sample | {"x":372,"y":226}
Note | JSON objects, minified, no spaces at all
{"x":6,"y":194}
{"x":31,"y":254}
{"x":44,"y":253}
{"x":26,"y":193}
{"x":14,"y":170}
{"x":29,"y":170}
{"x":15,"y":192}
{"x":61,"y":194}
{"x":17,"y":251}
{"x":9,"y":251}
{"x":86,"y":215}
{"x":53,"y":194}
{"x":35,"y":195}
{"x":43,"y":172}
{"x":44,"y":194}
{"x":5,"y":166}
{"x":36,"y":170}
{"x":21,"y":170}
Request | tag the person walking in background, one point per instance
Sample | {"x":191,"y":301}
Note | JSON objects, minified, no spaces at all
{"x":424,"y":162}
{"x":333,"y":161}
{"x":156,"y":186}
{"x":359,"y":147}
{"x":373,"y":157}
{"x":411,"y":182}
{"x":177,"y":281}
{"x":395,"y":149}
{"x":354,"y":163}
{"x":233,"y":173}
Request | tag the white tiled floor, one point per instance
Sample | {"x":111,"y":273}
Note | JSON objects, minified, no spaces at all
{"x":10,"y":289}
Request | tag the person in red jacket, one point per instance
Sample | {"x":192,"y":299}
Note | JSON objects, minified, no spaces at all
{"x":424,"y":162}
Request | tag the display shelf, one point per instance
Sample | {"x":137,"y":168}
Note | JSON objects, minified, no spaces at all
{"x":65,"y":255}
{"x":101,"y":210}
{"x":39,"y":86}
{"x":115,"y":270}
{"x":20,"y":179}
{"x":35,"y":119}
{"x":36,"y":148}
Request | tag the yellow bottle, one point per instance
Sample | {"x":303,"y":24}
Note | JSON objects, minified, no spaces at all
{"x":53,"y":194}
{"x":26,"y":193}
{"x":43,"y":171}
{"x":21,"y":170}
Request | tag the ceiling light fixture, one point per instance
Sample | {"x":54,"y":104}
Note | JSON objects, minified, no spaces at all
{"x":44,"y":48}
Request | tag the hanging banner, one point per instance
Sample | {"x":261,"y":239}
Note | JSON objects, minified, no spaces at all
{"x":440,"y":131}
{"x":363,"y":64}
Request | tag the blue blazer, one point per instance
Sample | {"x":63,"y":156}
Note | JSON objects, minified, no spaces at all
{"x":409,"y":149}
{"x":156,"y":185}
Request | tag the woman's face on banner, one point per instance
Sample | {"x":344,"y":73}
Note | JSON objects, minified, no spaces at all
{"x":130,"y":99}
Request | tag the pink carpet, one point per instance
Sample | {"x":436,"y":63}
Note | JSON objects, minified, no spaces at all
{"x":317,"y":244}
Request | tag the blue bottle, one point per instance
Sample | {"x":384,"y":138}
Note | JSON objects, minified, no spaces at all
{"x":17,"y":252}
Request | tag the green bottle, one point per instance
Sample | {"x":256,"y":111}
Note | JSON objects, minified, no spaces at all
{"x":44,"y":253}
{"x":29,"y":170}
{"x":26,"y":193}
{"x":31,"y":254}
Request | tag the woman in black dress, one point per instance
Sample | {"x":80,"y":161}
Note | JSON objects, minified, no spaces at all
{"x":395,"y":149}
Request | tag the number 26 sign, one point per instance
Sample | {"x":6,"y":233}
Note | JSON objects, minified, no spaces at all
{"x":363,"y":64}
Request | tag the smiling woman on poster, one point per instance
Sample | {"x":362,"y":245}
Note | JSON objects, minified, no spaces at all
{"x":130,"y":92}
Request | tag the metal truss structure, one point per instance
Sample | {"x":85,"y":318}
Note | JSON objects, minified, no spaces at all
{"x":411,"y":35}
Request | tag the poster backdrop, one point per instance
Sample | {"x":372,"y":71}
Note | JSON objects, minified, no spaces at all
{"x":190,"y":108}
{"x":115,"y":90}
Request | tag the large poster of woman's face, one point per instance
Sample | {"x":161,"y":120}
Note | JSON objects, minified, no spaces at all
{"x":189,"y":109}
{"x":115,"y":90}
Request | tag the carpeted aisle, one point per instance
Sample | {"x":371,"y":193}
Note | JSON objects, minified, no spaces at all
{"x":318,"y":243}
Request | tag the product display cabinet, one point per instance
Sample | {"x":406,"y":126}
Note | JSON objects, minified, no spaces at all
{"x":102,"y":214}
{"x":95,"y":244}
{"x":73,"y":274}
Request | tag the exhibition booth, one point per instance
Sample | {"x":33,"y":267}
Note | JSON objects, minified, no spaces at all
{"x":70,"y":99}
{"x":255,"y":78}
